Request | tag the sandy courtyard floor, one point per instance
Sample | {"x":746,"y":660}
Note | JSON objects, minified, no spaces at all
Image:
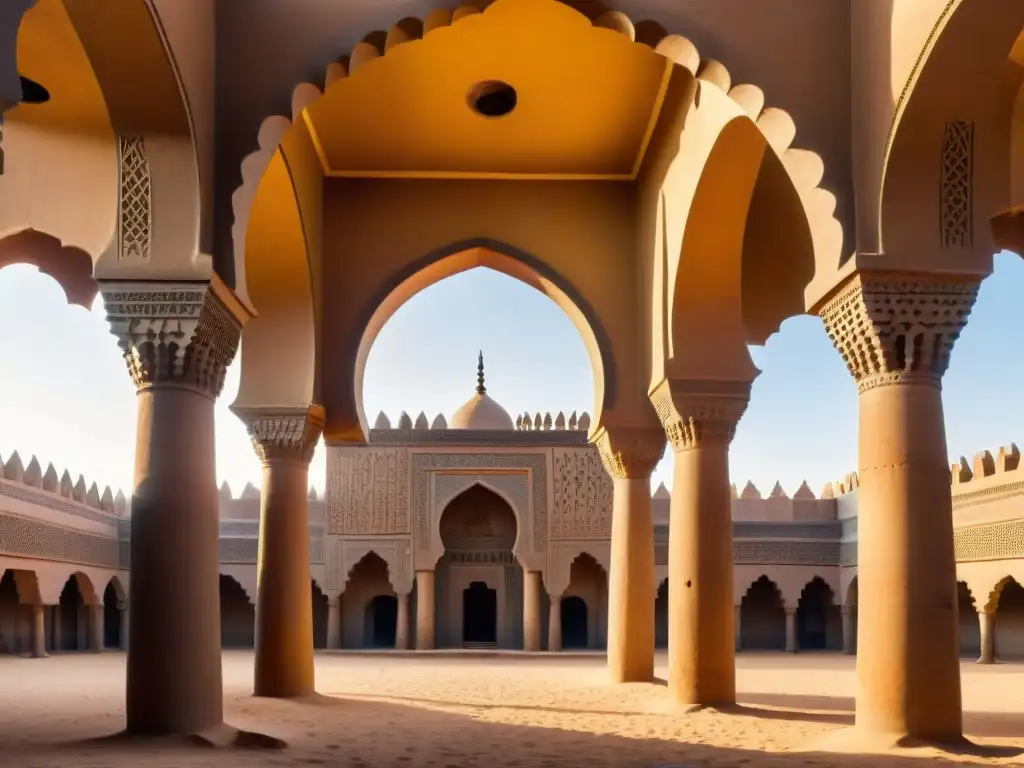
{"x":498,"y":712}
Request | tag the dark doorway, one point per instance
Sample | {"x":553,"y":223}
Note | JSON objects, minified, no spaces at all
{"x":479,"y":614}
{"x":383,"y":615}
{"x":72,"y":618}
{"x":812,"y":616}
{"x":574,"y":622}
{"x":111,"y":618}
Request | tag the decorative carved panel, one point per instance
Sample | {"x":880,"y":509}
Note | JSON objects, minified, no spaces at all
{"x":367,"y":491}
{"x":345,"y":554}
{"x":957,"y":212}
{"x":512,"y":486}
{"x":135,"y":201}
{"x":561,"y":555}
{"x":994,"y":541}
{"x":424,"y":465}
{"x":23,"y":537}
{"x":582,"y":495}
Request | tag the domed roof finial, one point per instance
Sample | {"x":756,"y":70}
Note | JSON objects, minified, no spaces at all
{"x":480,"y":388}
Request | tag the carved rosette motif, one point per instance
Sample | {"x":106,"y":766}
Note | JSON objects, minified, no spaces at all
{"x":891,"y":330}
{"x":630,"y":453}
{"x":176,"y":334}
{"x":698,"y":413}
{"x":582,"y":494}
{"x":283,"y":434}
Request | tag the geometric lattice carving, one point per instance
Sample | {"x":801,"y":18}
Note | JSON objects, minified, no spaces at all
{"x":582,"y":495}
{"x":995,"y":541}
{"x":367,"y":491}
{"x":135,"y":201}
{"x":955,"y":186}
{"x":22,"y":537}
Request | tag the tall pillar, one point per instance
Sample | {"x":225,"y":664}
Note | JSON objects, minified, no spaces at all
{"x":39,"y":631}
{"x":122,"y":607}
{"x":56,"y":630}
{"x":700,"y":419}
{"x":554,"y":622}
{"x":987,"y":625}
{"x":849,"y":629}
{"x":284,"y":440}
{"x":792,"y":641}
{"x":896,"y":334}
{"x":630,"y":455}
{"x":737,"y":630}
{"x":532,"y":588}
{"x":334,"y":621}
{"x":177,"y":339}
{"x":402,"y":626}
{"x":424,"y":610}
{"x":97,"y":642}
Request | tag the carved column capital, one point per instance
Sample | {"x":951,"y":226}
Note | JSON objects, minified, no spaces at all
{"x":180,"y":335}
{"x":283,"y":434}
{"x":630,"y":453}
{"x":898,"y":329}
{"x":696,"y":413}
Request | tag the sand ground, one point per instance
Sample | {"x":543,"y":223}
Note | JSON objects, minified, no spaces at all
{"x":449,"y":711}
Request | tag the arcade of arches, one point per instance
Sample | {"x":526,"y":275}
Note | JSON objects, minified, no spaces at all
{"x":656,"y":196}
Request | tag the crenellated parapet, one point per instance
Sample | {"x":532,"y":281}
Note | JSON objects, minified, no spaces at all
{"x":536,"y":423}
{"x":525,"y":422}
{"x":32,"y":475}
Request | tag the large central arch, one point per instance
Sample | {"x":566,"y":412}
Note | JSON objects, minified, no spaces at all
{"x":483,"y":252}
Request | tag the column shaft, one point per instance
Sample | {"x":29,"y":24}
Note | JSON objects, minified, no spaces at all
{"x":631,"y":583}
{"x":334,"y":622}
{"x":908,"y":666}
{"x":39,"y":631}
{"x":554,"y":622}
{"x":97,"y":644}
{"x":531,"y":610}
{"x":987,"y":625}
{"x":849,"y":630}
{"x":792,"y":641}
{"x":174,"y":662}
{"x":701,"y":611}
{"x":284,"y":602}
{"x":738,"y":626}
{"x":424,"y":610}
{"x":402,"y":626}
{"x":55,"y":628}
{"x":123,"y":607}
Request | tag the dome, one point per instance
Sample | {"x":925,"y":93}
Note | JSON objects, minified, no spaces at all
{"x":481,"y":411}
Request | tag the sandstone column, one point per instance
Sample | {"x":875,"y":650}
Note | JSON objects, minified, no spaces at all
{"x":402,"y":626}
{"x":39,"y":632}
{"x":531,"y":610}
{"x":987,"y":625}
{"x":700,"y":419}
{"x":792,"y":641}
{"x":97,"y":642}
{"x":55,"y":628}
{"x":738,"y":627}
{"x":424,"y":610}
{"x":896,"y":334}
{"x":123,"y":608}
{"x":554,"y":622}
{"x":177,"y":339}
{"x":334,"y":621}
{"x":284,"y":440}
{"x":630,"y":455}
{"x":849,"y":631}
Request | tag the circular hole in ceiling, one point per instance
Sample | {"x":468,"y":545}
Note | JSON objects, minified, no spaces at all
{"x":33,"y":93}
{"x":493,"y":98}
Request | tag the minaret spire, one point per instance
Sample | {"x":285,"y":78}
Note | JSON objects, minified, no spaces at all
{"x":480,"y":388}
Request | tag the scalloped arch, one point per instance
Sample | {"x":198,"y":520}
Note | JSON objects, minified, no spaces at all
{"x":805,"y":168}
{"x":69,"y":266}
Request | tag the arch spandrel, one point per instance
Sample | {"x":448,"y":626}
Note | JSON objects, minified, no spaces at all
{"x":947,"y":162}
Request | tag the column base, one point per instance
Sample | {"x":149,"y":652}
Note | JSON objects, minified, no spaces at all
{"x":223,"y":736}
{"x":858,"y":740}
{"x":986,"y":662}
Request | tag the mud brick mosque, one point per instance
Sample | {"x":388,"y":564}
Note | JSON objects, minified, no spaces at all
{"x":484,"y":532}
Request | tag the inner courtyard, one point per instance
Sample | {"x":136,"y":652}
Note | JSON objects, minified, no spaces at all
{"x":449,"y":710}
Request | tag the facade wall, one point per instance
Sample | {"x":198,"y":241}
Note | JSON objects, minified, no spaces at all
{"x":389,"y":499}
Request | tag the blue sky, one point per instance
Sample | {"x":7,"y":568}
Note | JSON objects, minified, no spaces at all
{"x":65,"y":395}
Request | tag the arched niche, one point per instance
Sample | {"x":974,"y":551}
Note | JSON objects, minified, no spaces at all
{"x":948,"y":159}
{"x":119,"y":135}
{"x":237,"y":615}
{"x":457,"y":494}
{"x":818,"y":618}
{"x":762,"y":617}
{"x":967,"y":619}
{"x":367,"y":580}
